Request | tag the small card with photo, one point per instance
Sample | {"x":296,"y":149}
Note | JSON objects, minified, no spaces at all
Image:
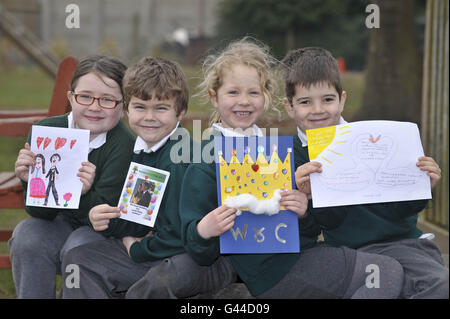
{"x":142,"y":194}
{"x":53,"y":180}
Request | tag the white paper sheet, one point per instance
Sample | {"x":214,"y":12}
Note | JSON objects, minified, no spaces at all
{"x":53,"y":181}
{"x":367,"y":162}
{"x":142,"y":194}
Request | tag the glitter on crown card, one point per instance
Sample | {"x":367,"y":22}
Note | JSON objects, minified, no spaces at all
{"x":257,"y":166}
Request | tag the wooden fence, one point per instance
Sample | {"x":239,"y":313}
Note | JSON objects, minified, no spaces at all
{"x":435,"y":108}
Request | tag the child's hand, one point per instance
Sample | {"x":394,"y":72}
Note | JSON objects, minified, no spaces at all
{"x":295,"y":201}
{"x":86,"y":174}
{"x":25,"y":159}
{"x":432,"y":168}
{"x":216,"y":222}
{"x":128,"y":241}
{"x":302,"y":176}
{"x":101,"y":214}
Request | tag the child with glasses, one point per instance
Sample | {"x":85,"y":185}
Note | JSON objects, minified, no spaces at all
{"x":39,"y":243}
{"x":138,"y":261}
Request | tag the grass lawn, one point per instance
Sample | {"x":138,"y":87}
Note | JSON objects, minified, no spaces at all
{"x":21,"y":88}
{"x":30,"y":88}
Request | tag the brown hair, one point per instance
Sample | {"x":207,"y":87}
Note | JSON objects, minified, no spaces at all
{"x":100,"y":64}
{"x":43,"y":163}
{"x":248,"y":52}
{"x":309,"y":66}
{"x":162,"y":77}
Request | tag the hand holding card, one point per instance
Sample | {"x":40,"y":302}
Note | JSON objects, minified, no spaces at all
{"x":142,"y":194}
{"x":53,"y":179}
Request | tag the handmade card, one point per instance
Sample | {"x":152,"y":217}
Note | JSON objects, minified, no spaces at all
{"x":142,"y":194}
{"x":367,"y":162}
{"x":53,"y":180}
{"x":251,"y":172}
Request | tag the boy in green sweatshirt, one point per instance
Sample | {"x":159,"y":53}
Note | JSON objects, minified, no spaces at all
{"x":238,"y":82}
{"x":139,"y":261}
{"x":388,"y":229}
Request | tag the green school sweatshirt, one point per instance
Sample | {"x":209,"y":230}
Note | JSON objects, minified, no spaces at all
{"x":355,"y":226}
{"x":327,"y":218}
{"x":111,"y":161}
{"x":259,"y":272}
{"x":166,"y":239}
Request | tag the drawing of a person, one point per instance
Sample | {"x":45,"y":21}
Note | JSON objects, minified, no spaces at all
{"x":37,"y":185}
{"x":51,"y":175}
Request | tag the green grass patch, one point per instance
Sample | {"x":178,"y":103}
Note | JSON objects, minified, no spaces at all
{"x":25,"y":88}
{"x":7,"y":289}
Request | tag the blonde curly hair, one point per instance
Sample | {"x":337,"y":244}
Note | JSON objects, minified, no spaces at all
{"x":247,"y":51}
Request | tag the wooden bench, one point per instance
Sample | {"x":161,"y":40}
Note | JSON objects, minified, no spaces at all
{"x":18,"y":123}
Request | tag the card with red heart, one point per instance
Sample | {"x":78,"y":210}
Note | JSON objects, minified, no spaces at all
{"x":251,"y":174}
{"x":53,"y":180}
{"x":367,"y":162}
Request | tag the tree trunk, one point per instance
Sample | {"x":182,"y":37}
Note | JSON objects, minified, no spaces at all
{"x":290,"y":39}
{"x":394,"y":71}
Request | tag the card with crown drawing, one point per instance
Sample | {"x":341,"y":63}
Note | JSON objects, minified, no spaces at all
{"x":252,"y":171}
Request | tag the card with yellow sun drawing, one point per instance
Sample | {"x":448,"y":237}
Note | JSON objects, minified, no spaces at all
{"x":252,"y":172}
{"x":367,"y":162}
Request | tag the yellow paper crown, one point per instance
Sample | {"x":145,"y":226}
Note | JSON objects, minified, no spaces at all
{"x":260,"y":179}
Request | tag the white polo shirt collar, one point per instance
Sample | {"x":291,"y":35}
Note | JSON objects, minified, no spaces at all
{"x":141,"y":145}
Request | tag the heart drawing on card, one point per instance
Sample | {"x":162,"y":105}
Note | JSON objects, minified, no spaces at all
{"x":47,"y":142}
{"x":60,"y":142}
{"x":374,"y":140}
{"x":255,"y":167}
{"x":39,"y":141}
{"x":72,"y":143}
{"x":373,"y":152}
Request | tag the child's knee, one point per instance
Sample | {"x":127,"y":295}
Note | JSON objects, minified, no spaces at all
{"x":391,"y":277}
{"x":76,"y":256}
{"x":432,"y":286}
{"x":28,"y":237}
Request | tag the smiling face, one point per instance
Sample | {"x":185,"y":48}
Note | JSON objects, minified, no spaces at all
{"x":153,"y":119}
{"x":239,"y":100}
{"x":315,"y":107}
{"x":94,"y":118}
